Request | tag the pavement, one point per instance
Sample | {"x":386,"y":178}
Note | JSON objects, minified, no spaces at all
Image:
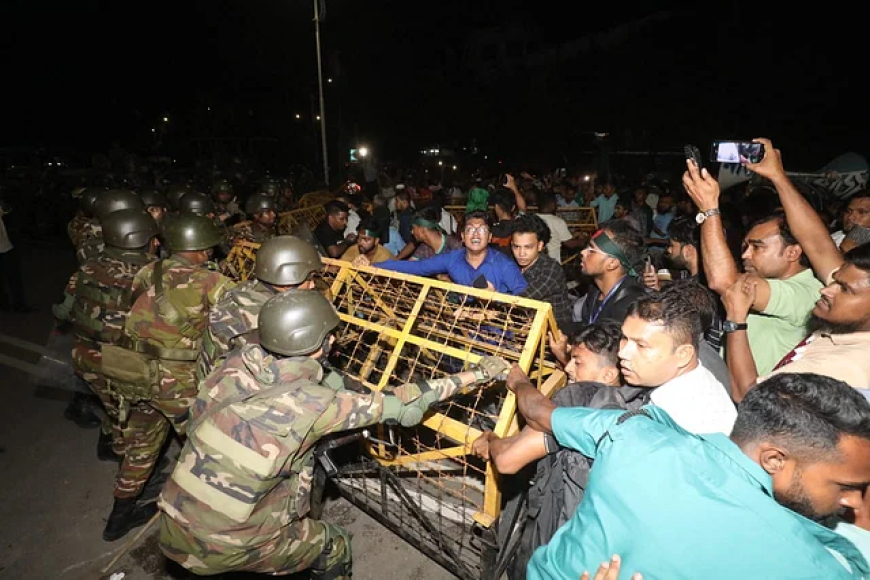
{"x":56,"y":495}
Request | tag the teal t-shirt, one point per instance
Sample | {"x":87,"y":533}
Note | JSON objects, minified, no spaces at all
{"x":677,"y":505}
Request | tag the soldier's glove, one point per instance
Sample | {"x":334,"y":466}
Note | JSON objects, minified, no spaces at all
{"x":408,"y":403}
{"x":490,"y":368}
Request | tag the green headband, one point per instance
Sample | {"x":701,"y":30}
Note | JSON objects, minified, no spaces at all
{"x":424,"y":223}
{"x":606,"y":245}
{"x":371,"y":233}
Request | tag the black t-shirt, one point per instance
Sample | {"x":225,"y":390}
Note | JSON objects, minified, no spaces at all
{"x":327,"y":236}
{"x":501,"y":236}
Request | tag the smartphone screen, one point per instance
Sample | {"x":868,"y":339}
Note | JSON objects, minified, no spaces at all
{"x":737,"y":152}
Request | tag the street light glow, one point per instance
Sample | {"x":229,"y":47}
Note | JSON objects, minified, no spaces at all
{"x":363,"y":151}
{"x":165,"y":119}
{"x":318,"y":117}
{"x":329,"y":80}
{"x":153,"y":130}
{"x":298,"y":116}
{"x":454,"y":168}
{"x":440,"y":163}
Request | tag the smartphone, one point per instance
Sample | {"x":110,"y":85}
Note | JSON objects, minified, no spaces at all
{"x":694,"y":154}
{"x":737,"y":152}
{"x":480,"y":282}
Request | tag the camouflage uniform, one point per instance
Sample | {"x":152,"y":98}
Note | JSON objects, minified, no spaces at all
{"x":231,"y":323}
{"x":102,"y":297}
{"x":252,"y":232}
{"x":240,"y":492}
{"x":86,"y":235}
{"x":232,"y":208}
{"x":168,"y":328}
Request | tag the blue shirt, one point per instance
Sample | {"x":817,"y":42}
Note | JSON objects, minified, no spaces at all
{"x":662,"y":221}
{"x":676,"y":505}
{"x":501,"y":271}
{"x":605,"y":206}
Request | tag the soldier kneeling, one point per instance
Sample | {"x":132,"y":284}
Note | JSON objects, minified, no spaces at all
{"x":240,"y":494}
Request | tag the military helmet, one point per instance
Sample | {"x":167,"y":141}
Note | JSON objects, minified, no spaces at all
{"x":260,"y":202}
{"x":286,"y":261}
{"x":88,"y":199}
{"x":195,"y":202}
{"x":116,"y":200}
{"x":152,"y":198}
{"x":296,"y":322}
{"x":189,"y":232}
{"x":129,"y":229}
{"x":175,"y":193}
{"x":221,"y":186}
{"x":269,"y":187}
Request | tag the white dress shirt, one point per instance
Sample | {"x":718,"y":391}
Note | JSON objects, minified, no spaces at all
{"x":697,"y":402}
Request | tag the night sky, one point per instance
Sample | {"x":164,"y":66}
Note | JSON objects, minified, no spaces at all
{"x":81,"y":74}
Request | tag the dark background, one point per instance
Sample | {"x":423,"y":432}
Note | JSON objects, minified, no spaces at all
{"x":409,"y":75}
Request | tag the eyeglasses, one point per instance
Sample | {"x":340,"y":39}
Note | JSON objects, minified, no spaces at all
{"x":471,"y":229}
{"x":591,"y":248}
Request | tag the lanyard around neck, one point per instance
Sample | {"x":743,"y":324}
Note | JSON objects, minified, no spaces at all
{"x":596,"y":312}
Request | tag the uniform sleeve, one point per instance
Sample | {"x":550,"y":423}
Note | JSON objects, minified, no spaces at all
{"x":792,"y":300}
{"x":581,"y":428}
{"x":349,"y":410}
{"x":221,"y":286}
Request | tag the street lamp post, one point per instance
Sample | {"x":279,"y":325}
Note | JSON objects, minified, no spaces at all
{"x":320,"y":86}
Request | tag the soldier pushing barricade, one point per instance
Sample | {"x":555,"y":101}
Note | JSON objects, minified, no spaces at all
{"x":239,"y":496}
{"x":153,"y":376}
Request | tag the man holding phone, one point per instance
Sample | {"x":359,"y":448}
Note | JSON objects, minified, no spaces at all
{"x":466,"y":266}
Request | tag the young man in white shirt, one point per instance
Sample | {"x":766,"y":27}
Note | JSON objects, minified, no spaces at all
{"x":559,"y":233}
{"x":659,"y":349}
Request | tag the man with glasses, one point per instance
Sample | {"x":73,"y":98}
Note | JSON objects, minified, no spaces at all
{"x":610,"y":259}
{"x":474,"y":265}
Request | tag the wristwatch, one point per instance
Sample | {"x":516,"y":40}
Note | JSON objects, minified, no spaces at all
{"x":731,"y":326}
{"x":703,"y":215}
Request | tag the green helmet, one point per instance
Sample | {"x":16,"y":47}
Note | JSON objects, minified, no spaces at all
{"x":221,"y":186}
{"x":260,"y":202}
{"x":128,"y":229}
{"x":152,"y":198}
{"x":286,"y":261}
{"x":175,"y":193}
{"x":116,"y":200}
{"x":195,"y":202}
{"x":189,"y":232}
{"x":270,"y":187}
{"x":296,"y":322}
{"x":88,"y":199}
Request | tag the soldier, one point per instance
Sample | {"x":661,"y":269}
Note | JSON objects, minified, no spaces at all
{"x":98,"y":299}
{"x":155,"y":203}
{"x":285,"y":200}
{"x":226,"y":207}
{"x":85,"y":227}
{"x":174,"y":195}
{"x":262,"y":226}
{"x":154,"y":376}
{"x":270,"y":187}
{"x":239,"y":496}
{"x":196,"y":203}
{"x":283,"y":263}
{"x":107,"y":203}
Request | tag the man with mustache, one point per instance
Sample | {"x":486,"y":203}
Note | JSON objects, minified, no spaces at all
{"x":777,"y":265}
{"x":839,"y":340}
{"x":475,"y":265}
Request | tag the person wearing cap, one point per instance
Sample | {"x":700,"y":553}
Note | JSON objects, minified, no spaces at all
{"x":610,"y":259}
{"x":368,"y":249}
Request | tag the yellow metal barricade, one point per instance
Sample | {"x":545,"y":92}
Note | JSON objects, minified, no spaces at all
{"x":423,"y":482}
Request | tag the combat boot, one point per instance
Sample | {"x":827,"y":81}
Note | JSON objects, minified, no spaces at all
{"x":125,"y":516}
{"x":104,"y":449}
{"x":81,"y":412}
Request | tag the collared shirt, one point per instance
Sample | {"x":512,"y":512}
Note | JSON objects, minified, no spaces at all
{"x":782,"y":324}
{"x":605,"y":206}
{"x":502,"y":272}
{"x":677,"y":505}
{"x":845,"y":357}
{"x":547,"y":282}
{"x":697,"y":402}
{"x":559,"y":234}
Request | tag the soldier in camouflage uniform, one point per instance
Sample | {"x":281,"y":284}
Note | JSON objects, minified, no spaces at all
{"x":105,"y":204}
{"x":239,"y":496}
{"x":155,"y":203}
{"x":283,"y":263}
{"x":226,"y":207}
{"x":84,"y":230}
{"x":174,"y":194}
{"x":163,"y":335}
{"x":263,"y":224}
{"x":98,"y":298}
